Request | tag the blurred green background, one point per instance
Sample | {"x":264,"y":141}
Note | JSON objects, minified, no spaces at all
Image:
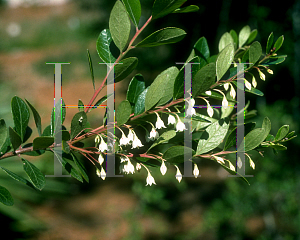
{"x":211,"y":207}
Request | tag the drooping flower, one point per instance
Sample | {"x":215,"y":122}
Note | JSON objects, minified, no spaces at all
{"x":128,"y":168}
{"x":171,"y":119}
{"x":210,"y":110}
{"x":224,"y":102}
{"x":269,"y":71}
{"x":100,"y":159}
{"x":150,"y":180}
{"x":138,"y":166}
{"x":102,"y":145}
{"x":130,"y":135}
{"x":261,"y":75}
{"x":231,"y":166}
{"x":247,"y":84}
{"x":136,"y":143}
{"x":232,"y":92}
{"x":219,"y":159}
{"x":163,"y":168}
{"x":180,"y":125}
{"x":226,"y":86}
{"x":191,"y":110}
{"x":254,"y":83}
{"x":103,"y":174}
{"x":196,"y":171}
{"x":178,"y":174}
{"x":239,"y":162}
{"x":153,"y":134}
{"x":124,"y":140}
{"x":159,"y":123}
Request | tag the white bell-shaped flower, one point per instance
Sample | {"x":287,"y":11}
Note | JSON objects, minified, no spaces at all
{"x":124,"y":140}
{"x":136,"y":143}
{"x":150,"y":180}
{"x":153,"y":134}
{"x":159,"y":123}
{"x":180,"y":125}
{"x":178,"y":174}
{"x":100,"y":159}
{"x":163,"y":168}
{"x":102,"y":145}
{"x":171,"y":119}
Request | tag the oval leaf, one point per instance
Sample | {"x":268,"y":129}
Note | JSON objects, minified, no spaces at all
{"x":135,"y":88}
{"x":35,"y":175}
{"x":224,"y":60}
{"x":140,"y":103}
{"x":42,"y":142}
{"x":278,"y":43}
{"x":176,"y":154}
{"x":103,"y":47}
{"x":164,"y":7}
{"x":3,"y":133}
{"x":255,"y":52}
{"x":124,"y":69}
{"x":133,"y":8}
{"x":78,"y":123}
{"x":123,"y":112}
{"x":225,"y":40}
{"x":15,"y":138}
{"x":119,"y":25}
{"x":191,"y":8}
{"x":282,"y":132}
{"x":252,"y":36}
{"x":37,"y":118}
{"x":21,"y":115}
{"x":244,"y":35}
{"x":91,"y":67}
{"x":163,"y":36}
{"x":204,"y":79}
{"x":202,"y":50}
{"x":5,"y":197}
{"x":213,"y":136}
{"x":269,"y":42}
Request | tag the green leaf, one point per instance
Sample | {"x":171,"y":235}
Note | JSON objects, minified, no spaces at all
{"x":234,"y":37}
{"x":278,"y":43}
{"x":204,"y":79}
{"x":179,"y":81}
{"x":166,"y":136}
{"x":42,"y":142}
{"x":63,"y":112}
{"x":140,"y":103}
{"x":273,"y":61}
{"x":37,"y":118}
{"x":282,"y":132}
{"x":163,"y":36}
{"x":188,"y":9}
{"x":135,"y":88}
{"x":224,"y":61}
{"x":35,"y":175}
{"x":162,"y":8}
{"x":202,"y":50}
{"x":65,"y":135}
{"x":3,"y":133}
{"x":244,"y":35}
{"x":124,"y":69}
{"x":80,"y":105}
{"x":235,"y":173}
{"x":78,"y":123}
{"x":102,"y":100}
{"x":5,"y":197}
{"x":133,"y":8}
{"x":119,"y":25}
{"x":15,"y":138}
{"x":225,"y":40}
{"x":256,"y":136}
{"x":47,"y":131}
{"x":103,"y":47}
{"x":21,"y":115}
{"x":17,"y":177}
{"x":157,"y":88}
{"x":91,"y":67}
{"x":253,"y":90}
{"x":81,"y":167}
{"x":213,"y":136}
{"x":123,"y":112}
{"x":252,"y":36}
{"x":255,"y":52}
{"x":176,"y":154}
{"x":66,"y":163}
{"x":270,"y":42}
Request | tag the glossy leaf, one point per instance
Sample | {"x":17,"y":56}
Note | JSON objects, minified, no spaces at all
{"x":119,"y":25}
{"x":91,"y":68}
{"x":224,"y":60}
{"x":213,"y":136}
{"x":78,"y":123}
{"x":163,"y":36}
{"x":42,"y":142}
{"x":135,"y":88}
{"x":225,"y":40}
{"x":123,"y":112}
{"x":234,"y":37}
{"x":204,"y":79}
{"x":17,"y":177}
{"x":15,"y":138}
{"x":37,"y":118}
{"x":35,"y":175}
{"x":3,"y":133}
{"x":166,"y":136}
{"x":274,"y":60}
{"x":235,"y":173}
{"x":255,"y":52}
{"x":162,"y":8}
{"x":188,"y":9}
{"x":156,"y":90}
{"x":244,"y":35}
{"x":103,"y":47}
{"x":278,"y":43}
{"x":81,"y":168}
{"x":202,"y":50}
{"x":5,"y":197}
{"x":21,"y":114}
{"x":133,"y":8}
{"x":282,"y":132}
{"x":176,"y":154}
{"x":140,"y":103}
{"x":270,"y":42}
{"x":124,"y":69}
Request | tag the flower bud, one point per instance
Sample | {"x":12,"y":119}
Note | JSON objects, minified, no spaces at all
{"x":196,"y":171}
{"x":226,"y":86}
{"x":254,"y":83}
{"x":247,"y":84}
{"x":163,"y":168}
